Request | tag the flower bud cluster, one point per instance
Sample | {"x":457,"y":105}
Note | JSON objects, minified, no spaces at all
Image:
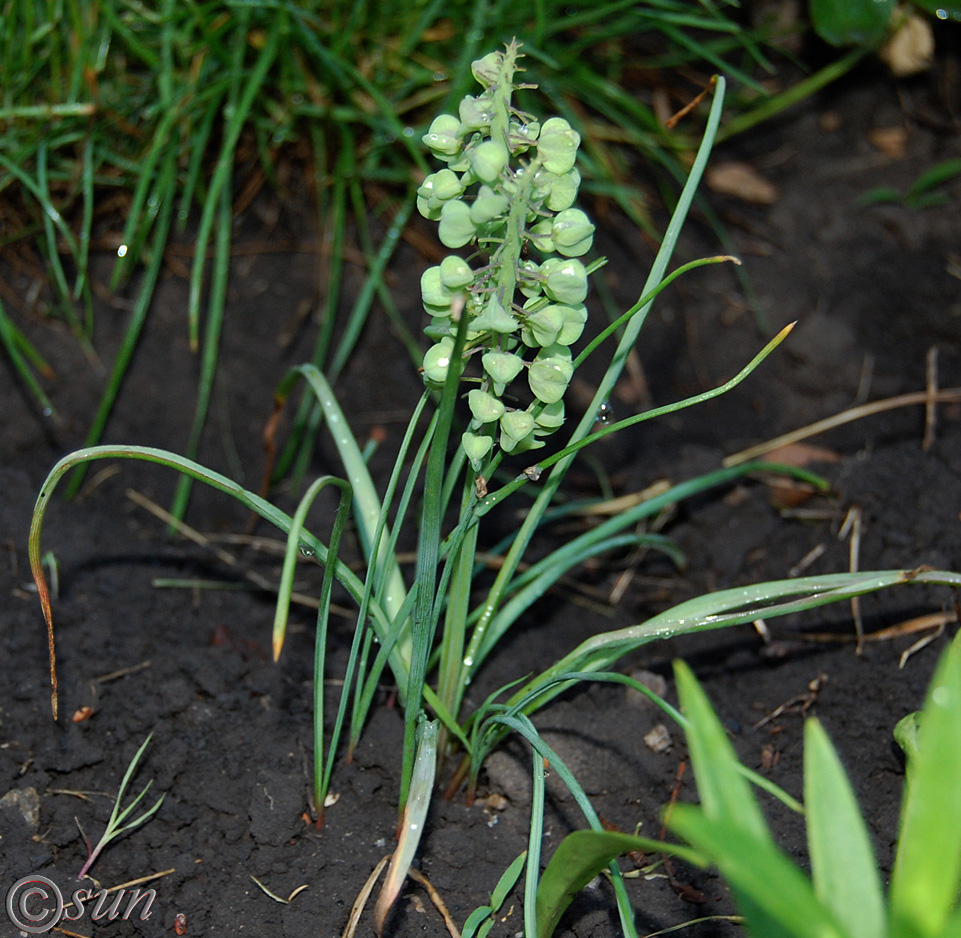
{"x":508,"y":188}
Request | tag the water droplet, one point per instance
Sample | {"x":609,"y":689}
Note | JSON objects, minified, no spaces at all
{"x":122,"y":250}
{"x":306,"y":551}
{"x":605,"y":413}
{"x":412,"y":827}
{"x":468,"y":662}
{"x":408,"y":131}
{"x":440,"y":76}
{"x":48,"y":411}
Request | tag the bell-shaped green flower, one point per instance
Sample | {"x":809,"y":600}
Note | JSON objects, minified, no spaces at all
{"x":550,"y":418}
{"x":550,"y":373}
{"x":442,"y":137}
{"x":515,"y":426}
{"x":487,"y":70}
{"x":494,"y":318}
{"x":476,"y":447}
{"x":529,"y":279}
{"x":437,"y":361}
{"x":476,"y":114}
{"x":435,"y":190}
{"x":542,"y":328}
{"x":503,"y":368}
{"x":484,"y":406}
{"x":456,"y":227}
{"x":572,"y":232}
{"x":523,"y":136}
{"x":432,"y":290}
{"x":541,"y":236}
{"x":557,"y":146}
{"x":488,"y":160}
{"x":574,"y":319}
{"x":565,"y":281}
{"x":455,"y":273}
{"x":563,"y":191}
{"x":487,"y":206}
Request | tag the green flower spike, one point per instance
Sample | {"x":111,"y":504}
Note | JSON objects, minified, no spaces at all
{"x":508,"y":192}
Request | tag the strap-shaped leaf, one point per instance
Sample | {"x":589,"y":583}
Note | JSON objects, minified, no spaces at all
{"x":842,"y":862}
{"x":927,"y":869}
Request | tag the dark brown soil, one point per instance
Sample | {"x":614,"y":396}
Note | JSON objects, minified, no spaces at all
{"x":873,"y":288}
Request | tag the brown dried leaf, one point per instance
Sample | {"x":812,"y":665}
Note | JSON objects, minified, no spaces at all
{"x":891,"y":141}
{"x":742,"y":181}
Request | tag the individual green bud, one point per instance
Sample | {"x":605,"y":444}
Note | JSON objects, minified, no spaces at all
{"x":476,"y":447}
{"x":488,"y":160}
{"x":503,"y":368}
{"x":487,"y":206}
{"x":484,"y":406}
{"x":523,"y":136}
{"x":550,"y":373}
{"x":439,"y":326}
{"x":476,"y":114}
{"x":565,"y":281}
{"x":529,"y":279}
{"x":437,"y":189}
{"x":543,"y":327}
{"x":563,"y":191}
{"x":437,"y":361}
{"x":455,"y":228}
{"x":432,"y":290}
{"x":455,"y":273}
{"x":574,"y":319}
{"x":515,"y":426}
{"x":572,"y":232}
{"x":550,"y":418}
{"x":540,"y":236}
{"x":442,"y":137}
{"x":494,"y":318}
{"x":487,"y":69}
{"x":557,"y":146}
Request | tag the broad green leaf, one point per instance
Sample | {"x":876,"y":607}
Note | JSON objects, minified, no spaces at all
{"x":579,"y":857}
{"x":842,"y":861}
{"x":724,"y":792}
{"x":776,"y":897}
{"x":927,"y":868}
{"x":851,"y":22}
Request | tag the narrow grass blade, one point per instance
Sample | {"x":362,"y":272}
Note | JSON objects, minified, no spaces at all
{"x":165,"y":193}
{"x":719,"y":610}
{"x":369,"y":510}
{"x":13,"y":341}
{"x":535,"y":842}
{"x":843,"y":866}
{"x":412,"y":824}
{"x":250,"y":500}
{"x":927,"y":868}
{"x":522,"y":725}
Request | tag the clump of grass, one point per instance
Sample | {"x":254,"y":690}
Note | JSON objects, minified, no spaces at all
{"x":176,"y":116}
{"x":116,"y":826}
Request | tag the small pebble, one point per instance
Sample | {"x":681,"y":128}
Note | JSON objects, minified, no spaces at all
{"x":658,"y":739}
